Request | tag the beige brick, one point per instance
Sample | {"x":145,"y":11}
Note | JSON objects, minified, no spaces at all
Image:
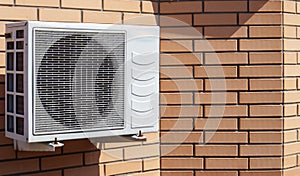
{"x":292,"y":70}
{"x":226,"y":137}
{"x":177,"y":150}
{"x":44,"y":3}
{"x":140,"y":19}
{"x":291,"y":96}
{"x":151,"y":163}
{"x":216,"y":98}
{"x":290,"y":6}
{"x":291,"y":19}
{"x":216,"y":124}
{"x":216,"y":173}
{"x":215,"y":71}
{"x":266,"y":84}
{"x":290,"y":136}
{"x":290,"y":84}
{"x":181,"y":85}
{"x":226,"y":84}
{"x":18,"y":13}
{"x":266,"y":137}
{"x":226,"y":58}
{"x":290,"y":110}
{"x":2,"y":44}
{"x":227,"y":111}
{"x":60,"y":15}
{"x":261,"y":150}
{"x":183,"y":163}
{"x":292,"y":148}
{"x":150,"y":7}
{"x":141,"y":151}
{"x":266,"y":110}
{"x":2,"y":59}
{"x":176,"y":72}
{"x":7,"y":2}
{"x":290,"y":32}
{"x":181,"y":59}
{"x":176,"y":20}
{"x":261,"y":173}
{"x":260,"y":44}
{"x":215,"y":19}
{"x":122,"y":5}
{"x":291,"y":123}
{"x":102,"y":17}
{"x":291,"y":44}
{"x":261,"y":124}
{"x":180,"y":7}
{"x":176,"y":45}
{"x":290,"y":57}
{"x":181,"y":137}
{"x":265,"y":6}
{"x":181,"y":33}
{"x":151,"y":138}
{"x":261,"y":71}
{"x":265,"y":57}
{"x":225,"y":6}
{"x":176,"y":124}
{"x":291,"y":172}
{"x":260,"y":97}
{"x":181,"y":111}
{"x":265,"y":163}
{"x":82,"y":4}
{"x":260,"y":18}
{"x":111,"y":155}
{"x":225,"y":32}
{"x":290,"y":161}
{"x":176,"y":98}
{"x":216,"y":150}
{"x":215,"y":45}
{"x":265,"y":31}
{"x":226,"y":163}
{"x":123,"y":167}
{"x":2,"y":28}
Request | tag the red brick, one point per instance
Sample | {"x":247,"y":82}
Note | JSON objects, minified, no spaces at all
{"x":61,"y":161}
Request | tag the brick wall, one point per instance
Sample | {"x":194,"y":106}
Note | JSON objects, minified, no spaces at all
{"x":229,"y":88}
{"x":78,"y":157}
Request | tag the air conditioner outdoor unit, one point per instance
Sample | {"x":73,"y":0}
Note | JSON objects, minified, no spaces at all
{"x":72,"y":80}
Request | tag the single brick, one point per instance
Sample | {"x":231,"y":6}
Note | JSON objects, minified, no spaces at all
{"x":216,"y":124}
{"x":183,"y":163}
{"x":266,"y":57}
{"x":215,"y":45}
{"x":181,"y":137}
{"x":151,"y":163}
{"x":261,"y":124}
{"x":82,"y":4}
{"x":266,"y":84}
{"x":260,"y":44}
{"x":44,"y":3}
{"x":261,"y":150}
{"x":60,"y":15}
{"x":216,"y":98}
{"x":265,"y":31}
{"x":176,"y":72}
{"x":176,"y":98}
{"x":226,"y":163}
{"x":176,"y":124}
{"x":123,"y":167}
{"x":141,"y":151}
{"x":266,"y":163}
{"x":62,"y":161}
{"x":177,"y":150}
{"x":266,"y":110}
{"x":266,"y":137}
{"x":225,"y":6}
{"x":226,"y":137}
{"x":215,"y":19}
{"x":102,"y":17}
{"x":261,"y":97}
{"x":225,"y":32}
{"x":226,"y":58}
{"x":215,"y":71}
{"x":176,"y":46}
{"x":216,"y":150}
{"x":18,"y":13}
{"x":226,"y":84}
{"x":87,"y":170}
{"x":180,"y":7}
{"x":181,"y":59}
{"x":121,"y":5}
{"x":181,"y":111}
{"x":19,"y":166}
{"x":181,"y":85}
{"x":260,"y":18}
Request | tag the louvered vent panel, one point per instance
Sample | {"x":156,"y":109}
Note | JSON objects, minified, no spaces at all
{"x":79,"y":81}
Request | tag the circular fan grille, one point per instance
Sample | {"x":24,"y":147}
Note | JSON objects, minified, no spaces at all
{"x":78,"y":81}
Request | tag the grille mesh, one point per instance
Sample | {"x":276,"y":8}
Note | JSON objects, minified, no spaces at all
{"x":79,"y":81}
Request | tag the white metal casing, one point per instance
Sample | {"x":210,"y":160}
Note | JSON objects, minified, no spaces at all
{"x":141,"y":75}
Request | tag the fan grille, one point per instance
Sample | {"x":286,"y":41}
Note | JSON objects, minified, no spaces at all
{"x":79,"y":81}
